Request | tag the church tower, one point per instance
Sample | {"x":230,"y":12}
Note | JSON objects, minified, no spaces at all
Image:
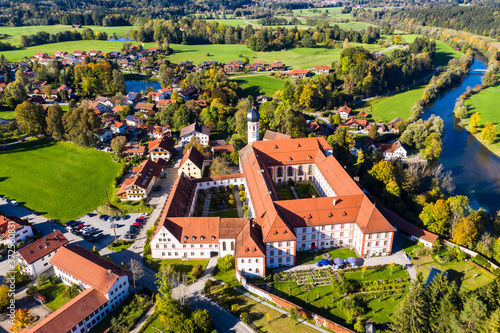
{"x":253,"y":117}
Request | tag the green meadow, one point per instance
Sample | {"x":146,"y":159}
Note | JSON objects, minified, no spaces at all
{"x":60,"y":180}
{"x":259,"y":84}
{"x":14,"y":33}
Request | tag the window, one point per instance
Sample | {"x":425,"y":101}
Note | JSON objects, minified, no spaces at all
{"x":385,"y":242}
{"x":322,"y":236}
{"x":378,"y":236}
{"x":303,"y":237}
{"x":341,"y":234}
{"x":310,"y":169}
{"x":303,"y":244}
{"x":223,"y":246}
{"x":367,"y":251}
{"x":184,"y":246}
{"x":270,"y":170}
{"x":370,"y":236}
{"x":232,"y":246}
{"x":280,"y":172}
{"x":341,"y":226}
{"x":290,"y":171}
{"x":169,"y":254}
{"x":279,"y":244}
{"x":192,"y":246}
{"x":287,"y":244}
{"x":323,"y":228}
{"x":192,"y":253}
{"x":257,"y":261}
{"x":322,"y":243}
{"x":280,"y":252}
{"x":242,"y":261}
{"x":369,"y":244}
{"x":377,"y":243}
{"x":280,"y":259}
{"x":249,"y":261}
{"x":384,"y":250}
{"x":351,"y":233}
{"x":176,"y":254}
{"x":287,"y":259}
{"x":301,"y":170}
{"x":350,"y":241}
{"x":271,"y":253}
{"x":313,"y":236}
{"x":287,"y":251}
{"x":341,"y":242}
{"x":256,"y":270}
{"x":271,"y":261}
{"x":304,"y":229}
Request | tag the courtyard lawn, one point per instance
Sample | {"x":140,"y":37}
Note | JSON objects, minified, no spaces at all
{"x":285,"y":192}
{"x":50,"y":49}
{"x":306,"y":191}
{"x":59,"y":180}
{"x":375,"y":275}
{"x":485,"y":102}
{"x":259,"y":84}
{"x":52,"y":292}
{"x":14,"y":33}
{"x":233,"y":213}
{"x":311,"y":257}
{"x":399,"y":105}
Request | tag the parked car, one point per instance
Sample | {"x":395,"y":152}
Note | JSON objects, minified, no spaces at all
{"x":125,"y":217}
{"x":14,"y":203}
{"x":144,"y":215}
{"x":79,"y":227}
{"x":106,"y":217}
{"x":130,"y":236}
{"x":101,"y":217}
{"x":36,"y":213}
{"x":137,"y":224}
{"x":99,"y":236}
{"x":116,"y":218}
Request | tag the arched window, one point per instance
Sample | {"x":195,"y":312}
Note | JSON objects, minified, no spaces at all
{"x":301,"y":170}
{"x":232,"y":246}
{"x":223,"y":246}
{"x":249,"y":261}
{"x":290,"y":171}
{"x":256,"y":270}
{"x":280,"y":172}
{"x":310,"y":168}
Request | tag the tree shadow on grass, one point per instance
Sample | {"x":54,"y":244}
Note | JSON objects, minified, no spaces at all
{"x":29,"y":145}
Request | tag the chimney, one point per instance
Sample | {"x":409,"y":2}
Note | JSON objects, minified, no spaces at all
{"x":110,"y":271}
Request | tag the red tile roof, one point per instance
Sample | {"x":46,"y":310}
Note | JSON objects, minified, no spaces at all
{"x":88,"y":267}
{"x":43,"y":246}
{"x":165,"y":142}
{"x":194,"y":156}
{"x":71,"y":313}
{"x":6,"y":220}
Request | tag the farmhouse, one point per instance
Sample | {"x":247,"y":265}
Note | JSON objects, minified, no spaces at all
{"x":298,"y":73}
{"x":14,"y":230}
{"x":389,"y":151}
{"x":161,"y":148}
{"x":142,"y":181}
{"x":34,"y":258}
{"x":276,"y":230}
{"x":320,"y":70}
{"x":344,"y":112}
{"x":201,"y":132}
{"x":105,"y":286}
{"x":192,"y":164}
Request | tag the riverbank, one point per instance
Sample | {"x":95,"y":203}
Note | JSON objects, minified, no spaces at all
{"x":484,"y":102}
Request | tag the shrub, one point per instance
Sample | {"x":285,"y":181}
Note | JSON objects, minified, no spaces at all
{"x":231,"y":187}
{"x":196,"y":271}
{"x":231,"y":197}
{"x":245,"y":317}
{"x":242,"y":193}
{"x":231,"y":202}
{"x":222,"y":189}
{"x":225,"y":263}
{"x":245,"y":208}
{"x":54,"y":279}
{"x":241,"y":187}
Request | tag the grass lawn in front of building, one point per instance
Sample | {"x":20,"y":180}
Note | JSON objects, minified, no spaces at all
{"x":285,"y":192}
{"x":306,"y":257}
{"x":179,"y":265}
{"x":8,"y":115}
{"x":375,"y":275}
{"x":52,"y":292}
{"x":227,"y":277}
{"x":259,"y":84}
{"x":58,"y":179}
{"x":120,"y":245}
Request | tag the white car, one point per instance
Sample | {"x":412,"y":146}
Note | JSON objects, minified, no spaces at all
{"x":144,"y":214}
{"x":14,"y":203}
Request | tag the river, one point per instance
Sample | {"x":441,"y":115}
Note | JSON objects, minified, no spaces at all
{"x":475,"y":170}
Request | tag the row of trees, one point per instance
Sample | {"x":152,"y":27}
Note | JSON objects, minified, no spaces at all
{"x":43,"y":37}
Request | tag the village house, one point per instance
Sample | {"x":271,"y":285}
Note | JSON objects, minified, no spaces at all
{"x":34,"y":258}
{"x":161,"y":148}
{"x":105,"y":285}
{"x":132,"y":98}
{"x":322,"y":70}
{"x":14,"y":230}
{"x":133,"y":121}
{"x":144,"y":107}
{"x":344,"y":112}
{"x":134,"y":151}
{"x":393,"y":124}
{"x":188,"y":93}
{"x":298,"y":73}
{"x":390,"y":151}
{"x":118,"y":127}
{"x":276,"y":65}
{"x":156,"y":132}
{"x":201,"y":132}
{"x":142,"y":180}
{"x":356,"y":124}
{"x":233,"y":66}
{"x":103,"y":135}
{"x":222,"y":149}
{"x":262,"y":99}
{"x":316,"y":127}
{"x":164,"y":102}
{"x":192,"y":164}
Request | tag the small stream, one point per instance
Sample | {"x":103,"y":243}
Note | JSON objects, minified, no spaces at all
{"x":475,"y":170}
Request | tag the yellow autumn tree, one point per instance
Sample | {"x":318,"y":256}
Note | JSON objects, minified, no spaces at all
{"x":474,"y":122}
{"x":21,"y":320}
{"x":465,"y":232}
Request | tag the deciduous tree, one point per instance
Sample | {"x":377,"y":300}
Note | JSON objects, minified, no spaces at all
{"x":219,"y":167}
{"x":118,"y":143}
{"x":489,"y":133}
{"x":465,"y":232}
{"x":54,"y":122}
{"x":474,"y":122}
{"x":21,"y":320}
{"x":31,"y":118}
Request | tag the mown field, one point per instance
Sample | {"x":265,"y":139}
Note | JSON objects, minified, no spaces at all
{"x":84,"y":45}
{"x":260,"y":84}
{"x":15,"y":33}
{"x":398,"y":105}
{"x":60,"y":180}
{"x":486,"y":103}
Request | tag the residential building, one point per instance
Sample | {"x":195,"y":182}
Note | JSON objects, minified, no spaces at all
{"x":144,"y":107}
{"x":192,"y":164}
{"x":133,"y":121}
{"x":157,"y":132}
{"x":390,"y":151}
{"x":298,"y":73}
{"x":105,"y":285}
{"x":103,"y":135}
{"x":321,"y":70}
{"x":118,"y":127}
{"x":161,"y":148}
{"x":201,"y":132}
{"x":188,"y":93}
{"x":344,"y":112}
{"x":34,"y":258}
{"x":142,"y":180}
{"x":14,"y":230}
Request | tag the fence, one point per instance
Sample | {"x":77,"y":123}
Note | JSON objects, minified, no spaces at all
{"x":468,"y":251}
{"x":283,"y":303}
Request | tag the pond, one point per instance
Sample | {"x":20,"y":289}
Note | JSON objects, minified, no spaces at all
{"x":475,"y":169}
{"x":141,"y":85}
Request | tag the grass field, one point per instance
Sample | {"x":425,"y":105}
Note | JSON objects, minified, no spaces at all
{"x":232,"y":22}
{"x":60,"y":180}
{"x":260,"y":84}
{"x":8,"y":115}
{"x":387,"y":108}
{"x":485,"y":102}
{"x":333,"y":12}
{"x":84,"y":45}
{"x":179,"y":265}
{"x":285,"y":192}
{"x":15,"y":33}
{"x":53,"y":294}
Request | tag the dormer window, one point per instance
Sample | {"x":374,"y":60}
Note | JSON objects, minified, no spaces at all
{"x":213,"y":238}
{"x":185,"y":238}
{"x":193,"y":238}
{"x":202,"y":238}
